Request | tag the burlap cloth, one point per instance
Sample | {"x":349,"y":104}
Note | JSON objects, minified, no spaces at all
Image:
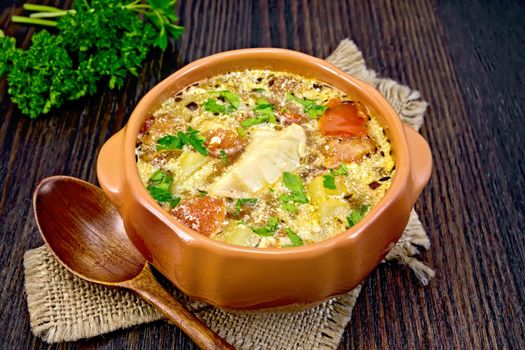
{"x":63,"y":307}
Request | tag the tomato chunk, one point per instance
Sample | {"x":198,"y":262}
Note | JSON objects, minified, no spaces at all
{"x":347,"y":150}
{"x":202,"y":214}
{"x":218,"y":140}
{"x":343,"y":120}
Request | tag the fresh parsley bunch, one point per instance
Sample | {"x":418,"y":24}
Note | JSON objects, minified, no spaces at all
{"x":97,"y":41}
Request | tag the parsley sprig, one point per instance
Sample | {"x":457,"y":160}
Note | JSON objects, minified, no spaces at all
{"x":240,"y":202}
{"x":298,"y":194}
{"x":268,"y":230}
{"x":296,"y":240}
{"x":310,"y":107}
{"x":191,"y":138}
{"x":264,"y":113}
{"x":357,"y":215}
{"x":232,"y":103}
{"x":223,"y":156}
{"x":159,"y":188}
{"x":98,"y":41}
{"x":329,"y":179}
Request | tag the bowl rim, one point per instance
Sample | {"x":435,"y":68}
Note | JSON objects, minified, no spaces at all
{"x":190,"y":236}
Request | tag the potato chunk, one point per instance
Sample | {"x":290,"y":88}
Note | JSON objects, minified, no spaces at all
{"x":238,"y":234}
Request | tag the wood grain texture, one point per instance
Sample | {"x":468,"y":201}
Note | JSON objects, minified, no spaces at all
{"x":466,"y":58}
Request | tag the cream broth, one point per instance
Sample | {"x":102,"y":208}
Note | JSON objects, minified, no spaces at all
{"x":265,"y":159}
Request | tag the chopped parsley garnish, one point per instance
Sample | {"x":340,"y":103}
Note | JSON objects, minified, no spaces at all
{"x":159,"y":188}
{"x":202,"y":193}
{"x":213,"y":106}
{"x":357,"y":215}
{"x":296,"y":240}
{"x":329,"y":179}
{"x":191,"y":138}
{"x":224,"y":156}
{"x":241,"y":132}
{"x":310,"y":107}
{"x":264,"y":113}
{"x":269,"y":229}
{"x":240,"y":202}
{"x":259,"y":90}
{"x":231,"y":98}
{"x":297,"y":195}
{"x":232,"y":102}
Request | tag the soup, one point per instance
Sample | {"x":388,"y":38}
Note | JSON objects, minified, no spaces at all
{"x":261,"y":158}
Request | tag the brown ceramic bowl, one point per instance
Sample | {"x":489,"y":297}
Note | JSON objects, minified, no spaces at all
{"x":250,"y":278}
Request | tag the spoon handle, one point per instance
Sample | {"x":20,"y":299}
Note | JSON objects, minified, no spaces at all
{"x":147,"y":287}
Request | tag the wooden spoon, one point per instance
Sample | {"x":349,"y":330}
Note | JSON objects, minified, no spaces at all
{"x":86,"y":234}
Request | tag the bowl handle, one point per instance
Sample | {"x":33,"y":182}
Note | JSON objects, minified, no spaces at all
{"x":110,"y":167}
{"x":420,"y":160}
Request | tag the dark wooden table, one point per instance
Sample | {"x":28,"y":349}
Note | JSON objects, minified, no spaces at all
{"x":467,"y":59}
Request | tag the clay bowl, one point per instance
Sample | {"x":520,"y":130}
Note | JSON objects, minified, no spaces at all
{"x":235,"y":277}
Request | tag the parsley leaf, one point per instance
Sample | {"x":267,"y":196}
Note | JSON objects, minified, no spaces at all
{"x":310,"y":107}
{"x":297,"y":195}
{"x":357,"y":215}
{"x":202,"y":193}
{"x":191,"y":138}
{"x":213,"y":106}
{"x":159,"y":188}
{"x":232,"y":98}
{"x":224,"y":156}
{"x":264,"y":113}
{"x":240,"y":202}
{"x":329,"y":182}
{"x":241,"y":132}
{"x":232,"y":103}
{"x":329,"y":179}
{"x":268,"y":230}
{"x":294,"y":184}
{"x":296,"y":240}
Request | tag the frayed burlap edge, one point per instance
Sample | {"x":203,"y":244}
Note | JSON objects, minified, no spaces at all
{"x":63,"y":307}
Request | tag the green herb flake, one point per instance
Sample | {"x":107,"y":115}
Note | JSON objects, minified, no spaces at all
{"x":268,"y":230}
{"x":329,"y":182}
{"x":241,"y":132}
{"x":224,"y":156}
{"x":240,"y":202}
{"x":159,"y":188}
{"x":213,"y":106}
{"x":202,"y":193}
{"x":264,"y":113}
{"x":297,"y":195}
{"x":287,"y":205}
{"x":232,"y":98}
{"x":310,"y":107}
{"x":294,"y":184}
{"x":232,"y":102}
{"x":191,"y":137}
{"x":329,"y":179}
{"x":259,"y":90}
{"x":296,"y":240}
{"x":357,"y":215}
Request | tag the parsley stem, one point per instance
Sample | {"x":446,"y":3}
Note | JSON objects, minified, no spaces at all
{"x":50,"y":14}
{"x":143,"y":6}
{"x":43,"y":22}
{"x":41,"y":8}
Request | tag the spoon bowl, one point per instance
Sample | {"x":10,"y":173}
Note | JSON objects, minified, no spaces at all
{"x":85,"y":231}
{"x":86,"y":234}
